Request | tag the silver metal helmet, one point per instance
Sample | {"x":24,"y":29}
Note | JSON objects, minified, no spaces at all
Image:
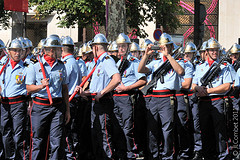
{"x":89,"y":43}
{"x":23,"y":42}
{"x":52,"y":41}
{"x":204,"y":46}
{"x":80,"y":53}
{"x":176,"y":47}
{"x":29,"y":43}
{"x":134,"y":47}
{"x":54,"y":35}
{"x":41,"y":43}
{"x":2,"y":45}
{"x":123,"y":38}
{"x":165,"y":39}
{"x":88,"y":49}
{"x":67,"y":41}
{"x":190,"y":47}
{"x":100,"y":39}
{"x":145,"y":43}
{"x":213,"y":44}
{"x":235,"y":48}
{"x":84,"y":48}
{"x":15,"y":44}
{"x":113,"y":47}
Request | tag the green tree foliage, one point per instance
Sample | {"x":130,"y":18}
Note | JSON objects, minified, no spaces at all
{"x":4,"y":16}
{"x":86,"y":12}
{"x":164,"y":12}
{"x":71,"y":12}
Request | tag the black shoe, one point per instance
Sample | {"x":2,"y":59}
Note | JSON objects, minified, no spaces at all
{"x":198,"y":155}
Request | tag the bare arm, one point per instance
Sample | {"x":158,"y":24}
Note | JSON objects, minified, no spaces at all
{"x":187,"y":83}
{"x":36,"y":88}
{"x":142,"y":64}
{"x":219,"y":89}
{"x":116,"y":79}
{"x":177,"y":67}
{"x":141,"y":82}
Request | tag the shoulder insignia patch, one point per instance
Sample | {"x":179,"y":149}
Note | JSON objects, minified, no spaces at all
{"x":33,"y":60}
{"x":107,"y":57}
{"x":25,"y":64}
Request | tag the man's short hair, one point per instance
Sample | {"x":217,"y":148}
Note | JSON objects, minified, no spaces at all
{"x":68,"y":49}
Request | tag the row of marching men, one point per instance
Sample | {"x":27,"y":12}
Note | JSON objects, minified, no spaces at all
{"x":122,"y":121}
{"x":167,"y":122}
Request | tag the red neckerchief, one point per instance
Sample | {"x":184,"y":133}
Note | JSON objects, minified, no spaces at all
{"x":164,"y":58}
{"x":13,"y":63}
{"x":49,"y":60}
{"x":95,"y":59}
{"x":233,"y":61}
{"x":86,"y":61}
{"x":121,"y":58}
{"x":2,"y":56}
{"x":66,"y":55}
{"x":77,"y":58}
{"x":210,"y":62}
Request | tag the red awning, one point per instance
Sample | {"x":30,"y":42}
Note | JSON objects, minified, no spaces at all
{"x":16,"y":5}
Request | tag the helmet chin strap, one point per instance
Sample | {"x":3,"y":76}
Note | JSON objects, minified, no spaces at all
{"x":126,"y":54}
{"x":211,"y":57}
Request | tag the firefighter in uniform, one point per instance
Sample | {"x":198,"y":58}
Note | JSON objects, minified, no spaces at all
{"x":135,"y":50}
{"x":113,"y":51}
{"x":84,"y":146}
{"x":144,"y":45}
{"x":40,"y":47}
{"x":104,"y":79}
{"x":29,"y":47}
{"x":13,"y":107}
{"x":162,"y":102}
{"x":74,"y":76}
{"x":126,"y":93}
{"x":211,"y":104}
{"x":197,"y":149}
{"x":48,"y":119}
{"x":183,"y":112}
